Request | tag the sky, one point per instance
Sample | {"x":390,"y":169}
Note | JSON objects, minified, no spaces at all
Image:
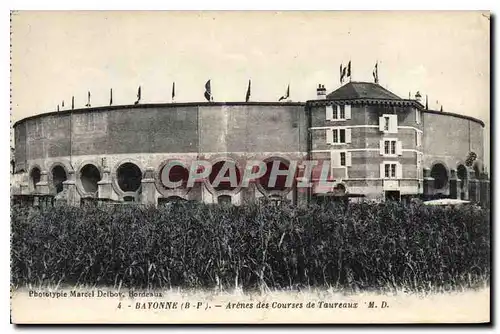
{"x":57,"y":55}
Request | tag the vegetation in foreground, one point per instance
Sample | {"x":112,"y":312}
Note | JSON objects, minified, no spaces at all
{"x":361,"y":247}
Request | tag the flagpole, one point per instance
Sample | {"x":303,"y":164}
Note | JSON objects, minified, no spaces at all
{"x":173,"y":92}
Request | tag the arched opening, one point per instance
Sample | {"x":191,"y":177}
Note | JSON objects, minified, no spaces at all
{"x":129,"y":198}
{"x":440,"y":175}
{"x":477,"y":171}
{"x":224,"y":185}
{"x":129,"y":177}
{"x":339,"y":190}
{"x":462,"y":175}
{"x":177,"y":173}
{"x":35,"y":176}
{"x":89,"y":176}
{"x":224,"y":199}
{"x":280,"y":184}
{"x":58,"y":177}
{"x":171,"y":200}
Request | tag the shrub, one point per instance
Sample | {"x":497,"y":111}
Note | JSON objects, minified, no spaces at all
{"x":362,"y":246}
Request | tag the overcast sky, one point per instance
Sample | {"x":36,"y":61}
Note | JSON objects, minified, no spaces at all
{"x":59,"y":54}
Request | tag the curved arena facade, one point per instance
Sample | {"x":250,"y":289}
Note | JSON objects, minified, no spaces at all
{"x":378,"y":146}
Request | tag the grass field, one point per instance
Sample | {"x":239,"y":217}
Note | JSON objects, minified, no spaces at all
{"x":363,"y":247}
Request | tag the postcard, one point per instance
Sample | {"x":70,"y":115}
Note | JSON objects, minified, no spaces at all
{"x":260,"y":167}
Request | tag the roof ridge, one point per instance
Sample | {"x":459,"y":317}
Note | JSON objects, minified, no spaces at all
{"x":357,"y":89}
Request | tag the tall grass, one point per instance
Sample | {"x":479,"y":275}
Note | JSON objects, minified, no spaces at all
{"x":363,"y":246}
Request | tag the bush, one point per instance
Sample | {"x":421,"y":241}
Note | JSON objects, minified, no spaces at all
{"x":363,"y":246}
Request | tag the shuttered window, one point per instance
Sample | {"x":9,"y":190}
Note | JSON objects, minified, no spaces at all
{"x":339,"y":135}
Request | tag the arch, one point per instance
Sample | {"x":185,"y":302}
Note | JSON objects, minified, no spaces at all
{"x":279,"y":189}
{"x":88,"y":177}
{"x":175,"y":174}
{"x":223,"y":188}
{"x":463,"y":175}
{"x":35,"y":176}
{"x":478,"y":169}
{"x":165,"y":201}
{"x":224,"y":199}
{"x":128,"y":177}
{"x":339,"y":189}
{"x":58,"y":175}
{"x":440,"y":173}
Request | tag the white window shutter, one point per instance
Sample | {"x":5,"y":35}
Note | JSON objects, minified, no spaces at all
{"x":347,"y":135}
{"x":419,"y":139}
{"x":335,"y":159}
{"x":399,"y":171}
{"x":382,"y":148}
{"x":393,"y":124}
{"x":382,"y":171}
{"x":348,"y":159}
{"x":329,"y":113}
{"x":329,"y":136}
{"x":347,"y":111}
{"x":399,"y":147}
{"x":381,"y":123}
{"x":416,"y":116}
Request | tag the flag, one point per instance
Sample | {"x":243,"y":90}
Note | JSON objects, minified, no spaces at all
{"x":349,"y":70}
{"x":208,"y":91}
{"x":342,"y":73}
{"x":287,"y":94}
{"x":173,"y":91}
{"x":111,"y":96}
{"x":88,"y":99}
{"x":138,"y":95}
{"x":375,"y":73}
{"x":426,"y":102}
{"x":72,"y":102}
{"x":247,"y":98}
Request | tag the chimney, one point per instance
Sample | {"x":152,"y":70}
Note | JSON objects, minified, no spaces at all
{"x":321,"y":92}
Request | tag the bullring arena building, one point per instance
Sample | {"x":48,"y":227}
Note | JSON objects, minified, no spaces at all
{"x":379,"y":145}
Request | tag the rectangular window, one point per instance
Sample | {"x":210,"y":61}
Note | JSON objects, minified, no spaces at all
{"x":389,"y":147}
{"x":342,"y":159}
{"x":336,"y":112}
{"x":390,"y":170}
{"x":388,"y":123}
{"x":342,"y":112}
{"x":340,"y":136}
{"x":418,"y":116}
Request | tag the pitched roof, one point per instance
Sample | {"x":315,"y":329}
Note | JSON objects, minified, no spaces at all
{"x":360,"y":90}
